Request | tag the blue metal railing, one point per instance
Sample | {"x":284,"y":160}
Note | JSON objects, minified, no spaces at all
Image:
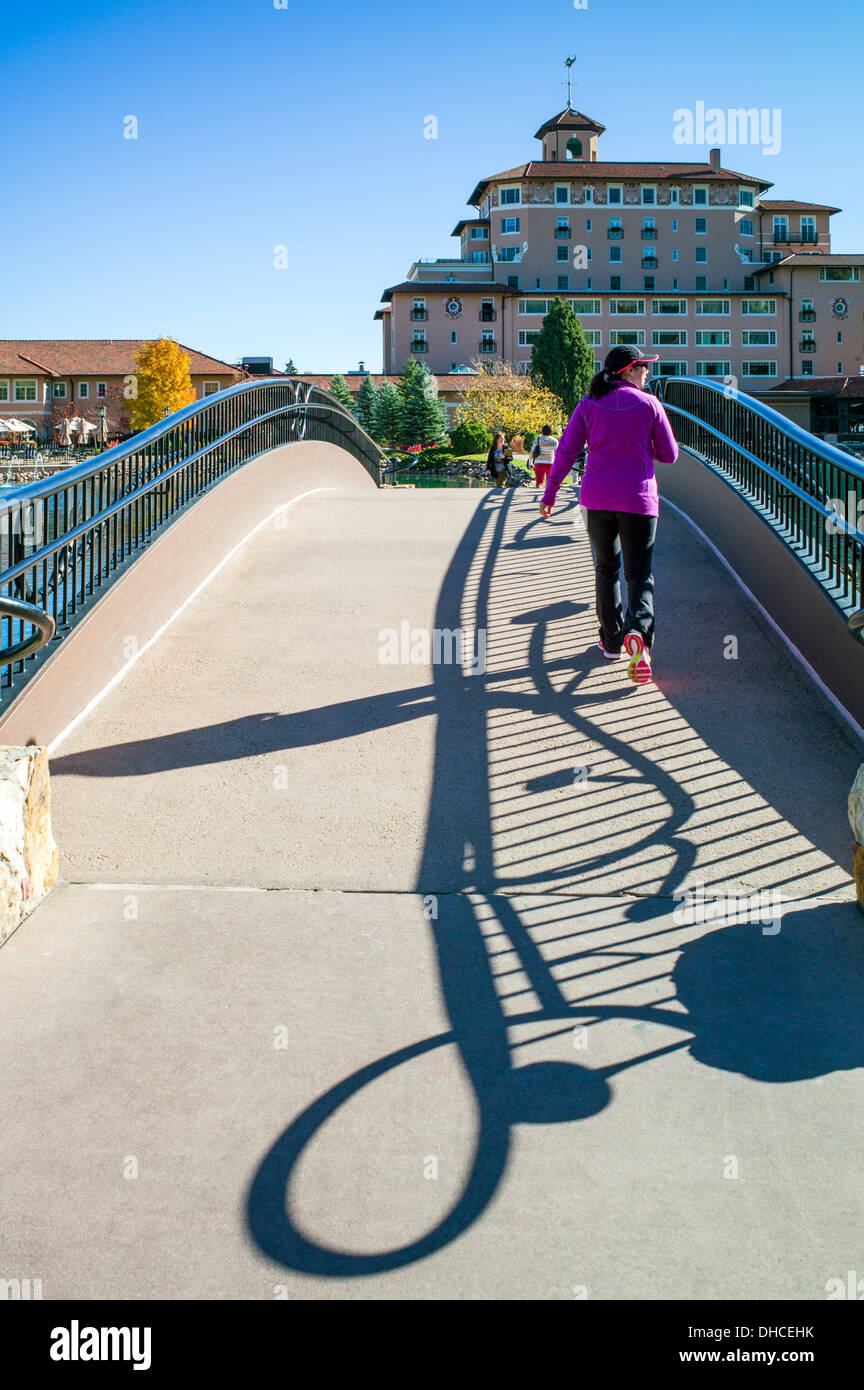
{"x":65,"y":538}
{"x":810,"y":492}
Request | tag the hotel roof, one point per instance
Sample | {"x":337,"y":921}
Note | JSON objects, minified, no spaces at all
{"x":781,"y":203}
{"x":811,"y":258}
{"x":818,"y":386}
{"x":90,"y":357}
{"x":593,"y":169}
{"x":569,"y":120}
{"x":448,"y":287}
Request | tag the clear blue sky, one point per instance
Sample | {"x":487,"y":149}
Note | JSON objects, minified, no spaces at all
{"x":303,"y":127}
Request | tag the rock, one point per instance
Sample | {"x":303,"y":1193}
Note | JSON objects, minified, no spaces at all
{"x":858,"y":857}
{"x":28,"y":854}
{"x":856,"y":806}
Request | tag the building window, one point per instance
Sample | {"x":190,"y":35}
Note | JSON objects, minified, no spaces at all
{"x":701,"y":282}
{"x":713,"y":368}
{"x":562,"y":253}
{"x":588,"y":282}
{"x":781,"y":228}
{"x":807,"y":367}
{"x":510,"y":226}
{"x":615,"y":253}
{"x":759,"y":337}
{"x":581,"y":307}
{"x":513,"y":282}
{"x":725,"y":283}
{"x":648,"y":282}
{"x":700,"y":196}
{"x":538,"y":283}
{"x":101,"y":389}
{"x":25,"y":390}
{"x":675,"y":282}
{"x":533,"y":306}
{"x":614,"y":282}
{"x":808,"y":228}
{"x":479,"y":257}
{"x":839,"y":337}
{"x":839,"y":368}
{"x":759,"y":368}
{"x":58,"y":391}
{"x":593,"y":336}
{"x":674,"y":224}
{"x":614,"y":193}
{"x":627,"y":337}
{"x":701,"y":227}
{"x":649,"y":194}
{"x":510,"y":196}
{"x":589,"y":193}
{"x":669,"y":337}
{"x":671,"y":368}
{"x":649,"y":224}
{"x":507,"y":253}
{"x":4,"y":390}
{"x":587,"y":224}
{"x":745,"y":226}
{"x":807,"y":306}
{"x":528,"y":336}
{"x":749,"y":282}
{"x":668,"y":306}
{"x":674,"y":253}
{"x":562,"y":193}
{"x":758,"y":306}
{"x":563,"y":282}
{"x":838,"y":272}
{"x":712,"y":337}
{"x":745,"y":197}
{"x":454,"y":337}
{"x":479,"y":233}
{"x":712,"y":306}
{"x":211,"y":388}
{"x":418,"y":305}
{"x":626,"y":306}
{"x":701,"y":255}
{"x":674,"y":199}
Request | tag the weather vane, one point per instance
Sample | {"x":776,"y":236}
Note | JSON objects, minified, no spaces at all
{"x":568,"y":63}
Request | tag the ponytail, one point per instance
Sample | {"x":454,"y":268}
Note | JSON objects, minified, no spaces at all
{"x":600,"y":385}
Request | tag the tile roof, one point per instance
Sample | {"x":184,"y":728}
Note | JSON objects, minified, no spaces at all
{"x":90,"y":357}
{"x":771,"y":203}
{"x":819,"y":386}
{"x":571,"y":120}
{"x":587,"y":170}
{"x":448,"y":287}
{"x":447,"y":381}
{"x":796,"y":259}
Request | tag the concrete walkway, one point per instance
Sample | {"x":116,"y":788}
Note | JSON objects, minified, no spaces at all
{"x":371,"y":981}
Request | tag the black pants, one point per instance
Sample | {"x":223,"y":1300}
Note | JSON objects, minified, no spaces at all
{"x":613,"y":534}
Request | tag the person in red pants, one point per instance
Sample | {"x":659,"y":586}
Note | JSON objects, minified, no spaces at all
{"x":542,"y":455}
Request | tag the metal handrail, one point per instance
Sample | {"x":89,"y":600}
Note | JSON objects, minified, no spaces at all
{"x":802,"y":486}
{"x":27,"y":613}
{"x":64,"y":538}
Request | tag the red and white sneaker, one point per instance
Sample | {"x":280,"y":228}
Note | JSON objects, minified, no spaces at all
{"x":639,"y":668}
{"x":610,"y":656}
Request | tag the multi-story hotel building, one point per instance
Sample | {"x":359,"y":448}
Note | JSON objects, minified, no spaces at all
{"x":691,"y":261}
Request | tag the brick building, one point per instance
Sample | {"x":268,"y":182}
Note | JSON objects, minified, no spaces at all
{"x":689,"y":260}
{"x":44,"y":380}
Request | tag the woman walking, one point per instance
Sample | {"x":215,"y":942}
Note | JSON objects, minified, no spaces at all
{"x":542,"y":455}
{"x":626,"y":431}
{"x":497,"y":460}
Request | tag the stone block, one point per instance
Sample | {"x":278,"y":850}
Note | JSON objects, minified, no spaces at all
{"x":28,"y":854}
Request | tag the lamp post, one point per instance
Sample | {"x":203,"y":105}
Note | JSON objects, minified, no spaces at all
{"x":102,"y":432}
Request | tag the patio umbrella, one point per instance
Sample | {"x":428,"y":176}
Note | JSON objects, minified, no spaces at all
{"x":102,"y":429}
{"x":65,"y":432}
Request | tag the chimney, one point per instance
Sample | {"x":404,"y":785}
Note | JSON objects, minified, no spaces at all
{"x":714,"y":160}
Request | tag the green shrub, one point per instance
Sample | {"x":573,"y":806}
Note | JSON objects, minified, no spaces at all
{"x":529,"y":436}
{"x":470,"y":437}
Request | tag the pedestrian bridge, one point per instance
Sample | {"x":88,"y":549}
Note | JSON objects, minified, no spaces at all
{"x":375,"y":976}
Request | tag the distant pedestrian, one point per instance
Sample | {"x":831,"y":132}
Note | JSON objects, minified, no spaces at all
{"x":497,"y":460}
{"x":626,"y":431}
{"x":542,"y":455}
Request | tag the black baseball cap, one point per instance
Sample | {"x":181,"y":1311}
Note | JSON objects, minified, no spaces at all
{"x":620,"y":358}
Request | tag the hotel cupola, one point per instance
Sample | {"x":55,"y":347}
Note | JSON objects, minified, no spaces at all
{"x":570,"y":135}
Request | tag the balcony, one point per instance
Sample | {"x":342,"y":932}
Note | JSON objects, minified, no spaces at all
{"x":806,"y":239}
{"x":488,"y":315}
{"x":649,"y":233}
{"x":649,"y":262}
{"x":807,"y":345}
{"x":806,"y":315}
{"x":563,"y":234}
{"x":615,"y":233}
{"x":419,"y":315}
{"x":488,"y":345}
{"x":419,"y":345}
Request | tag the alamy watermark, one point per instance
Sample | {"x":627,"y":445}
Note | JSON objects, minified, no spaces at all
{"x":695,"y":909}
{"x":418,"y":646}
{"x":735,"y":126}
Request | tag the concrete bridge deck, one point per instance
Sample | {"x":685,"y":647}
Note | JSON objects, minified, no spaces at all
{"x":355,"y":932}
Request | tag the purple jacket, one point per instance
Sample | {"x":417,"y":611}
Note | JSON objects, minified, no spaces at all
{"x":626,"y":432}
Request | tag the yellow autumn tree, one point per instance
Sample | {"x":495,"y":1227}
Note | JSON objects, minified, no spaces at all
{"x":160,"y":383}
{"x":499,"y":397}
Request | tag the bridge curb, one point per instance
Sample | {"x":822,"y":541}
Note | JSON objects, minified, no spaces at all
{"x":28,"y":854}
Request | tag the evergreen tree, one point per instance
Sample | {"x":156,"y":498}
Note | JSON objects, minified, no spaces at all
{"x":561,"y":359}
{"x":423,"y":417}
{"x":366,"y":398}
{"x":387,"y":423}
{"x":338,"y":388}
{"x":290,"y":369}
